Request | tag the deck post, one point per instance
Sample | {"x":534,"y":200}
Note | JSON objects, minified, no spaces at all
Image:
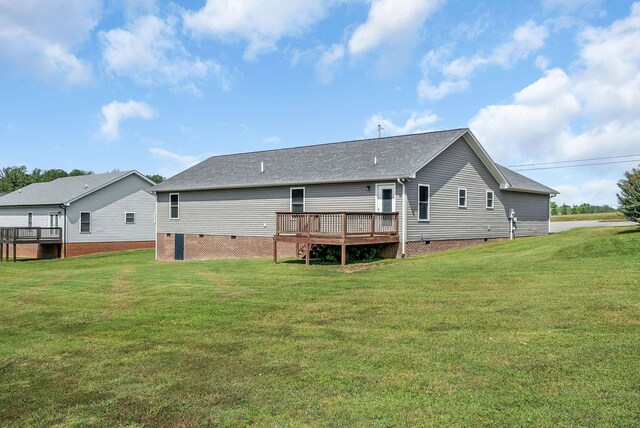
{"x":14,"y":251}
{"x":343,"y":254}
{"x":373,"y":224}
{"x":308,"y":252}
{"x":275,"y":250}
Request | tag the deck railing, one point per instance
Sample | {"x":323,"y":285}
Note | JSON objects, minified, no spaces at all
{"x":336,"y":224}
{"x":31,"y":234}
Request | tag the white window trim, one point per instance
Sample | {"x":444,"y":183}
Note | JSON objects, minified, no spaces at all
{"x":29,"y":219}
{"x":304,"y":198}
{"x":134,"y":217}
{"x":393,"y":196}
{"x":428,"y":202}
{"x":493,"y":199}
{"x":466,"y":197}
{"x":90,"y":222}
{"x":53,"y":213}
{"x":170,"y":206}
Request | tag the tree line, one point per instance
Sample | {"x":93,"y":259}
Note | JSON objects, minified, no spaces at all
{"x":16,"y":177}
{"x":565,"y":209}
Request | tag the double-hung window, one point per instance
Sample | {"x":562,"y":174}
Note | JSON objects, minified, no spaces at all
{"x":297,"y":199}
{"x":489,"y":199}
{"x":423,"y":202}
{"x":462,"y":197}
{"x":174,"y":206}
{"x":129,"y":218}
{"x":85,"y":222}
{"x":30,"y":219}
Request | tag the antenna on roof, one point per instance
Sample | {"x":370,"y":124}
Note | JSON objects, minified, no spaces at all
{"x":380,"y":129}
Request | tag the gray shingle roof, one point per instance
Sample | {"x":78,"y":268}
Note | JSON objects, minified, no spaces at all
{"x":397,"y":157}
{"x":61,"y":190}
{"x":520,"y":182}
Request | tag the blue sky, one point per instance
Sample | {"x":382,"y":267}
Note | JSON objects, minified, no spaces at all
{"x":157,"y":86}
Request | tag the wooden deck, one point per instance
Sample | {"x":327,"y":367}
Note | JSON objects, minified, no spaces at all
{"x":27,"y":235}
{"x":335,"y":228}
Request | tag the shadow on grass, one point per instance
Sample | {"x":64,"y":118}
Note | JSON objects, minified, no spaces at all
{"x":318,"y":262}
{"x":624,"y":232}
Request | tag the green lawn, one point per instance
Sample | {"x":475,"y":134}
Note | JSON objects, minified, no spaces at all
{"x":538,"y":331}
{"x":613,"y":216}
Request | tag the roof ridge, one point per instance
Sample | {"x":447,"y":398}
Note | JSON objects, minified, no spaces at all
{"x":335,"y":143}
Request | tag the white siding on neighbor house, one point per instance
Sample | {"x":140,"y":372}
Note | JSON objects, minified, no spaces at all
{"x":108,"y":207}
{"x":251,"y":212}
{"x":458,"y":166}
{"x":17,"y":216}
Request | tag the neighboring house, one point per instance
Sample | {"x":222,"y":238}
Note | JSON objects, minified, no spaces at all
{"x":444,"y":186}
{"x":94,"y":213}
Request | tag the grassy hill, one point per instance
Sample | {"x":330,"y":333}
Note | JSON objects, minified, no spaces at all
{"x":537,"y":331}
{"x":612,"y":216}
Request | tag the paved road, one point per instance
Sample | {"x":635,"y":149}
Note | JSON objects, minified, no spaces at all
{"x":561,"y":226}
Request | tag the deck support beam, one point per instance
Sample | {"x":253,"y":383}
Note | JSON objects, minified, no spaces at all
{"x":308,"y":252}
{"x":275,"y":250}
{"x":343,"y":254}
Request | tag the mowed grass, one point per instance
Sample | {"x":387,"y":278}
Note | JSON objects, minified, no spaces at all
{"x":612,"y":216}
{"x":538,"y":331}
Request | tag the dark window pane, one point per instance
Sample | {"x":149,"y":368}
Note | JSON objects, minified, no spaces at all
{"x":130,"y":218}
{"x":424,"y":211}
{"x":85,"y":222}
{"x":297,"y":200}
{"x":174,"y":212}
{"x":424,"y":193}
{"x":174,"y":199}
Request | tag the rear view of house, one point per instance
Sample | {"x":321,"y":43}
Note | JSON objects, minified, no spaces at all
{"x":414,"y":193}
{"x":79,"y":215}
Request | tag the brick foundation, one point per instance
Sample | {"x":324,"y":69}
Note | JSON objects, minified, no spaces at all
{"x":415,"y":248}
{"x":34,"y":251}
{"x":84,"y":248}
{"x":203,"y":247}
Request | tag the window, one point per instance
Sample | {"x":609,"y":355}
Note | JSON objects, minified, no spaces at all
{"x":174,"y":201}
{"x":129,"y":218}
{"x":490,"y":199}
{"x":85,"y":222}
{"x":297,"y":199}
{"x":53,"y":219}
{"x":30,"y":219}
{"x":423,"y":202}
{"x":462,"y":197}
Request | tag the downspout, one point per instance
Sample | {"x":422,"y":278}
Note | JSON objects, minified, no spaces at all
{"x":404,"y":217}
{"x":64,"y":233}
{"x":155,"y":220}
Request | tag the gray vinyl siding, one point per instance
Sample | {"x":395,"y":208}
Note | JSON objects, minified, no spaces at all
{"x":108,"y":207}
{"x":251,"y":212}
{"x":458,"y":166}
{"x":532,"y":212}
{"x":17,"y":216}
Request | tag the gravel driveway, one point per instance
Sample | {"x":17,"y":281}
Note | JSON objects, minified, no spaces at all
{"x":561,"y":226}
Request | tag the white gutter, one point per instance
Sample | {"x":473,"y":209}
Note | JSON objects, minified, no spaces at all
{"x":404,"y":217}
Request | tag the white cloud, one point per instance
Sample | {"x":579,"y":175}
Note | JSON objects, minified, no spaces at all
{"x":115,"y":112}
{"x":591,"y":111}
{"x":391,"y":22}
{"x":595,"y":192}
{"x":329,"y":62}
{"x":260,"y":23}
{"x":524,"y":40}
{"x":41,"y":37}
{"x":172,"y":163}
{"x":272,"y":140}
{"x":149,"y":51}
{"x":417,"y":122}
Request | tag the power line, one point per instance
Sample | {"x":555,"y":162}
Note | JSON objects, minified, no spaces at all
{"x":574,"y":166}
{"x":576,"y":160}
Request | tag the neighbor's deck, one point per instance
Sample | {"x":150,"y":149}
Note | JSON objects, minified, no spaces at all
{"x":28,"y":235}
{"x":335,"y":228}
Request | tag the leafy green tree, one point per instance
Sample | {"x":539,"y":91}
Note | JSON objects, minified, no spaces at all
{"x":156,"y":178}
{"x":52,"y":174}
{"x":629,"y":196}
{"x":554,"y":208}
{"x":76,"y":172}
{"x":564,"y":209}
{"x":13,"y":178}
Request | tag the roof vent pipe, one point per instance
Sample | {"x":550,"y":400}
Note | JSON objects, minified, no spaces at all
{"x":262,"y":167}
{"x":375,"y":160}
